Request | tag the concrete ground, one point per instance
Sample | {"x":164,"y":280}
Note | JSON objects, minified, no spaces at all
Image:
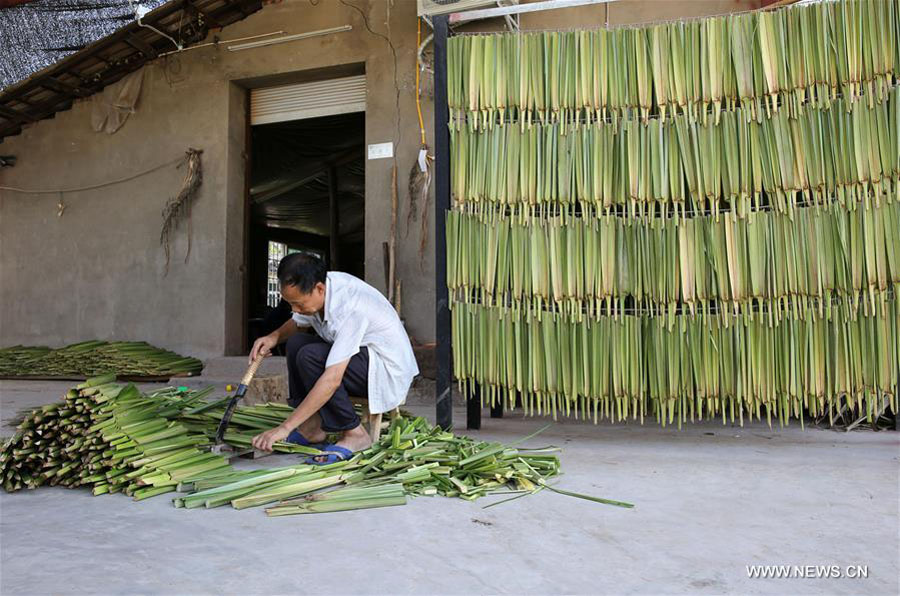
{"x":710,"y":500}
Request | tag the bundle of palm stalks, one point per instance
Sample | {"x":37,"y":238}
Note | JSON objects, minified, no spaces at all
{"x":687,"y":367}
{"x":91,"y":358}
{"x":113,"y":438}
{"x":805,"y":55}
{"x":849,"y":153}
{"x":107,"y":436}
{"x":602,"y":263}
{"x":686,"y":220}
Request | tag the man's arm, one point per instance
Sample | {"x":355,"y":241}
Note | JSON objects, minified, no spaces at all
{"x":288,"y":329}
{"x":315,"y":399}
{"x":264,"y":344}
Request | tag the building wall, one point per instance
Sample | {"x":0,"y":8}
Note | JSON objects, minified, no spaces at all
{"x":97,"y":271}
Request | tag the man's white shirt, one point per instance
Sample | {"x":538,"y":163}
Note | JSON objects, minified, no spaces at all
{"x":357,"y":315}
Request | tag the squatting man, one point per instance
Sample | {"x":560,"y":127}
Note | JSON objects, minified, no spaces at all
{"x":359,"y":348}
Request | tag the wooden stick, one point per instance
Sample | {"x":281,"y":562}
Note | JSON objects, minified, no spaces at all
{"x":392,"y":241}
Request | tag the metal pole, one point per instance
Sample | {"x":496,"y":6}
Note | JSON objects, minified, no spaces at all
{"x":444,"y":395}
{"x":517,"y":9}
{"x":473,"y":409}
{"x":497,"y":408}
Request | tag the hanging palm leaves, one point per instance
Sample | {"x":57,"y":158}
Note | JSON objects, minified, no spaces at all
{"x":683,"y":221}
{"x":844,"y":153}
{"x":761,"y":61}
{"x":691,"y":368}
{"x":816,"y":255}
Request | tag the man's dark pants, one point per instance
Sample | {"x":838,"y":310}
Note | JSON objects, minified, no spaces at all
{"x":306,"y":357}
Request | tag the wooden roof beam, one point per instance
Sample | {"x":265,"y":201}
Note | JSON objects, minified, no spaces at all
{"x":22,"y":99}
{"x":10,"y":130}
{"x":16,"y":115}
{"x":208,"y":19}
{"x":50,"y":108}
{"x":142,"y":46}
{"x":63,"y":87}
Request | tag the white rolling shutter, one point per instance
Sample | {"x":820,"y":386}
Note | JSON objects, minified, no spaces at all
{"x":308,"y":100}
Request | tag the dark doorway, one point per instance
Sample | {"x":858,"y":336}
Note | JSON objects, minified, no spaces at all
{"x":307,"y":193}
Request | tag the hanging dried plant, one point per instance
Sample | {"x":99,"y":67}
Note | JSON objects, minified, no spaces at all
{"x":179,"y":207}
{"x":421,"y":189}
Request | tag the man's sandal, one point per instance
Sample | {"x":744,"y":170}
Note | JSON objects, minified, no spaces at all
{"x":297,"y":439}
{"x":331,"y":454}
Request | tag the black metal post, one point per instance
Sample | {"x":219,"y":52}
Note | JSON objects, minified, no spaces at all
{"x":473,"y":409}
{"x":444,"y":384}
{"x":497,"y":408}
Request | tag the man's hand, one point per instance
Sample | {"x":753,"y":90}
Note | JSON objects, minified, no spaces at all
{"x":263,"y":346}
{"x":264,"y":441}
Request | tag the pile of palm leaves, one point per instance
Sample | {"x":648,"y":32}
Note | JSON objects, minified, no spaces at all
{"x":108,"y":437}
{"x":412,"y":458}
{"x":111,"y":438}
{"x":91,"y":358}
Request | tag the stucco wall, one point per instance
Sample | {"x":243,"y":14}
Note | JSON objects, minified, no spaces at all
{"x":97,"y":271}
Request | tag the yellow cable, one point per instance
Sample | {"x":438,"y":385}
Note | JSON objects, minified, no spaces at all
{"x":418,"y":102}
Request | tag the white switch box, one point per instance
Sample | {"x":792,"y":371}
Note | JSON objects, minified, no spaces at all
{"x":381,"y":150}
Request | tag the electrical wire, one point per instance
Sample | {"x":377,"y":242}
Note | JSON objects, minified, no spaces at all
{"x":180,"y":160}
{"x":154,"y":29}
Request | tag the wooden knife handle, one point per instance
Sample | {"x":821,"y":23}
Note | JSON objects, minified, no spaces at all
{"x":251,"y":370}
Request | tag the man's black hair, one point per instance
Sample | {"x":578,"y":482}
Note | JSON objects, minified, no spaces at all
{"x":302,"y":270}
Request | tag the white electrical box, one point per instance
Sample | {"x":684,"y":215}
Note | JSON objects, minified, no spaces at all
{"x":381,"y":150}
